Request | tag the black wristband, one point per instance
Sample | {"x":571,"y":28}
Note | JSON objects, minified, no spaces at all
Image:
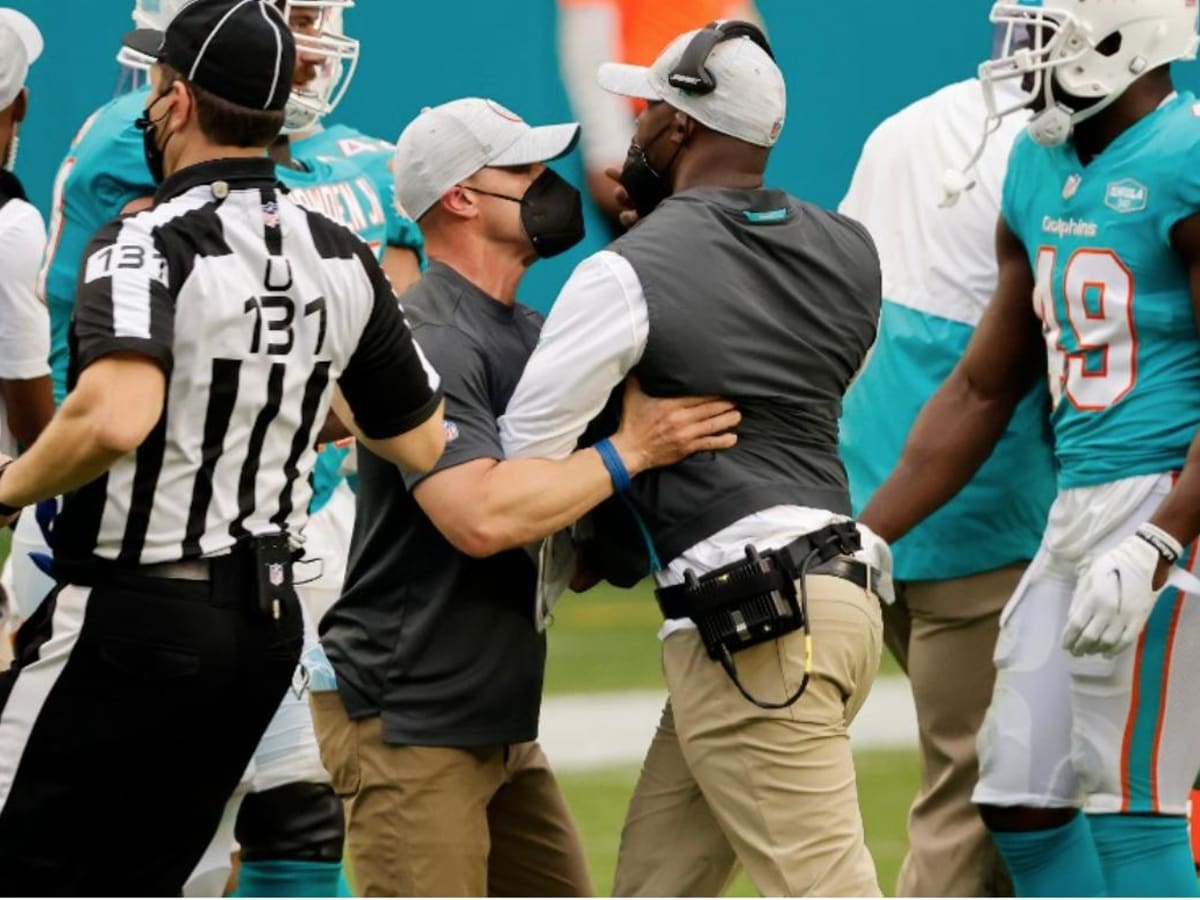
{"x":5,"y":509}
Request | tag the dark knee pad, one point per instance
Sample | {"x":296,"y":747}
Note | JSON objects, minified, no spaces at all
{"x":300,"y":821}
{"x":1024,"y":818}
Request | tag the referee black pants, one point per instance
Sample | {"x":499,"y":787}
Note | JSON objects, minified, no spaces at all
{"x":126,"y":723}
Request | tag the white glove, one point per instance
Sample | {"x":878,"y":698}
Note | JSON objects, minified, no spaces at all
{"x":1113,"y":599}
{"x":877,"y":554}
{"x":556,"y":565}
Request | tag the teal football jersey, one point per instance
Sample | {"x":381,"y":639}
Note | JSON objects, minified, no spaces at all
{"x":374,"y":157}
{"x":1113,"y":297}
{"x":105,"y":169}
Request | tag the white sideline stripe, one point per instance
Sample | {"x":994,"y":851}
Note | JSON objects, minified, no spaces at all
{"x":34,"y":683}
{"x":596,"y":731}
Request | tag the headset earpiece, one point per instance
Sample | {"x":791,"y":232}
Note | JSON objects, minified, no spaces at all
{"x":690,"y":75}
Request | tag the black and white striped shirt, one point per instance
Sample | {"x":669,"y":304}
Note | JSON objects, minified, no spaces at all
{"x":254,"y":307}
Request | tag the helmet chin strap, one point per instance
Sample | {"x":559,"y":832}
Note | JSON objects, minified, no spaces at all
{"x":956,"y":182}
{"x":1055,"y":124}
{"x":1051,"y":127}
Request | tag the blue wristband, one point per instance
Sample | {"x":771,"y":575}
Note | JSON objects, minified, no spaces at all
{"x":616,"y":468}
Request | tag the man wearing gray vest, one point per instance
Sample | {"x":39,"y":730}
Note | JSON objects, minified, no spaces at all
{"x":728,"y":288}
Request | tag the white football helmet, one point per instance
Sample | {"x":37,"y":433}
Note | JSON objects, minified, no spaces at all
{"x":320,"y":39}
{"x":155,"y":14}
{"x":1092,"y":49}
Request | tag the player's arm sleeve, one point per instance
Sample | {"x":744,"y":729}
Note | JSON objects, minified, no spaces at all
{"x":1010,"y":210}
{"x":471,"y":431}
{"x":24,"y":321}
{"x":388,"y":383}
{"x":1186,"y":194}
{"x":402,"y":231}
{"x":595,"y":334}
{"x":589,"y":35}
{"x":123,"y":300}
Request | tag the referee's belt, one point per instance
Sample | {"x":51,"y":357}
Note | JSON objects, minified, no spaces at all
{"x":183,"y":570}
{"x":825,"y":552}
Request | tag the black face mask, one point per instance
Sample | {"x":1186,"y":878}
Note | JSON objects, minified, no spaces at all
{"x":645,"y":186}
{"x":551,"y":213}
{"x":154,"y":153}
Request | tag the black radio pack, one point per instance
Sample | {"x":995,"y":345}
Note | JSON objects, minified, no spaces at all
{"x":756,"y":600}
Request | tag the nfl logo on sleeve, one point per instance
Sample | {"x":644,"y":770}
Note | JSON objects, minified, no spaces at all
{"x":275,"y":574}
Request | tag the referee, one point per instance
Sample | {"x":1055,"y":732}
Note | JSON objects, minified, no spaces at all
{"x":209,"y":333}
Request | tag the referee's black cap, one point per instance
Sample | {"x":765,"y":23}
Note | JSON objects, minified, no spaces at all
{"x":240,"y":50}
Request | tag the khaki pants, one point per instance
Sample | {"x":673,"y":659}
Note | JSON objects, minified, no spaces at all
{"x":943,"y":634}
{"x":726,"y":782}
{"x":441,"y":821}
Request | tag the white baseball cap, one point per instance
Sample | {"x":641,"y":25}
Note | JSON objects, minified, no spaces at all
{"x":750,"y":100}
{"x":447,"y":143}
{"x":20,"y":45}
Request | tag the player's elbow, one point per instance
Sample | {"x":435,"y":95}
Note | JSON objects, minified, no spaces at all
{"x":984,"y":396}
{"x":116,"y":438}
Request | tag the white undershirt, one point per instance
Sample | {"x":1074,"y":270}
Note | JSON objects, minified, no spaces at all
{"x":594,"y":336}
{"x":24,"y":319}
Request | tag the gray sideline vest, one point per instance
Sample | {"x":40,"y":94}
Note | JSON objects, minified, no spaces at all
{"x":773,"y":304}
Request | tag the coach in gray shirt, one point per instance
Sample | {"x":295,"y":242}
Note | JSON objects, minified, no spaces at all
{"x":730,"y":288}
{"x":431,"y":734}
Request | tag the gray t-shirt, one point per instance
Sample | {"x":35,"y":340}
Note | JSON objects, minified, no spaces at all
{"x":442,"y":645}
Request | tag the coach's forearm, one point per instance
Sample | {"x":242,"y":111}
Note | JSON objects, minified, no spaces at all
{"x":953,"y":436}
{"x":519,"y":501}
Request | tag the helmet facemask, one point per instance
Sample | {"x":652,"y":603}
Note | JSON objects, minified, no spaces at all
{"x":135,"y":66}
{"x":1038,"y":42}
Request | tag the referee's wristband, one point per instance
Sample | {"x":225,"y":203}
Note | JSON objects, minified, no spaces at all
{"x":616,"y":468}
{"x":1166,"y":545}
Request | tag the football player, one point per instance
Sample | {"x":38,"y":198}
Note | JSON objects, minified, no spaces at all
{"x":1092,"y":739}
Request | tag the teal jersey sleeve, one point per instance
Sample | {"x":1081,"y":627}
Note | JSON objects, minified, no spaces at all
{"x":1183,"y":197}
{"x":104,"y":170}
{"x":373,"y":157}
{"x":1010,"y":208}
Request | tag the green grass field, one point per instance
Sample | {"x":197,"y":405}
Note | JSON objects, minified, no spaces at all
{"x":605,"y":640}
{"x":887,"y":781}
